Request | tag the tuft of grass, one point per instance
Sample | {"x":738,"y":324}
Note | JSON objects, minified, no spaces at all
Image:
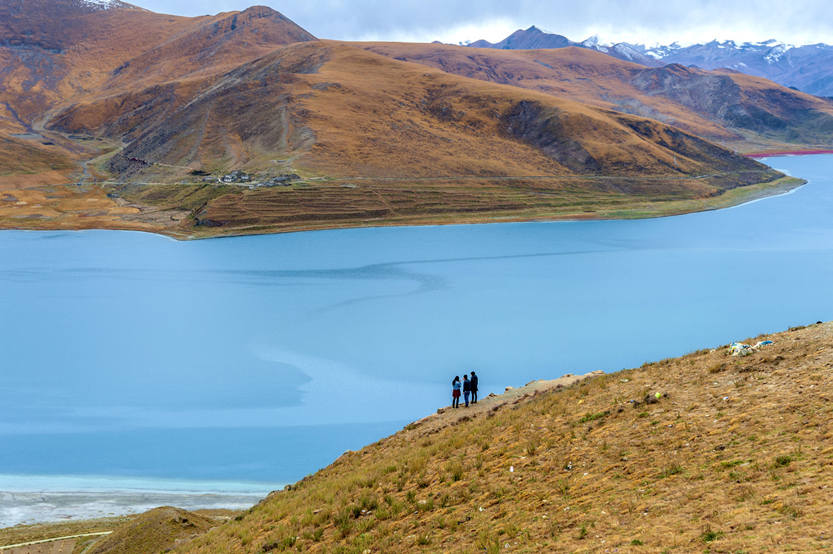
{"x":783,"y":461}
{"x":593,"y":417}
{"x":455,"y":469}
{"x":710,"y":536}
{"x":673,"y":469}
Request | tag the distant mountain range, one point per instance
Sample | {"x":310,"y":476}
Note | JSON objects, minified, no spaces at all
{"x":806,"y":68}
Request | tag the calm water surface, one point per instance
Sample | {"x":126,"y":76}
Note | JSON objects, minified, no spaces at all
{"x":241,"y":364}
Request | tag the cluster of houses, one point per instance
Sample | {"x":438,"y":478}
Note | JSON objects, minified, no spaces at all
{"x":241,"y":177}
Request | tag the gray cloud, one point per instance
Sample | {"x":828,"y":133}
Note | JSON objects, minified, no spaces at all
{"x":800,"y":21}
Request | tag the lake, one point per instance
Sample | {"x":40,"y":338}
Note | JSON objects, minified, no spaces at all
{"x":214,"y":371}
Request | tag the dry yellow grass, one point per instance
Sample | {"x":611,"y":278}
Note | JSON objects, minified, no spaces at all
{"x":735,"y":456}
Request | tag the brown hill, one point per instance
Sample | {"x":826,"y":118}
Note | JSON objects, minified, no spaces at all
{"x":704,"y":452}
{"x":155,"y":531}
{"x":735,"y":454}
{"x":386,"y":141}
{"x":123,"y":95}
{"x":346,"y":112}
{"x":57,"y":52}
{"x":730,"y":107}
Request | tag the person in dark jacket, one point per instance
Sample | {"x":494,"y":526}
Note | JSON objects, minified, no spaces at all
{"x":466,"y":389}
{"x":455,"y":392}
{"x":473,"y":387}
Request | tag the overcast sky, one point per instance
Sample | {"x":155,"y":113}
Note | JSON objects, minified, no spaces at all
{"x":645,"y":21}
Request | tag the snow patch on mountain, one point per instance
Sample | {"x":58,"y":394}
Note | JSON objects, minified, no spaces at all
{"x":103,"y":4}
{"x":776,"y":53}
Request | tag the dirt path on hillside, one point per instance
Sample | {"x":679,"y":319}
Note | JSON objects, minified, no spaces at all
{"x":450,"y":416}
{"x":58,"y":545}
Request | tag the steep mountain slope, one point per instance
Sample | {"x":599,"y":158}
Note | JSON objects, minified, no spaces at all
{"x":56,"y":52}
{"x":726,"y":106}
{"x":351,"y":113}
{"x":703,"y":452}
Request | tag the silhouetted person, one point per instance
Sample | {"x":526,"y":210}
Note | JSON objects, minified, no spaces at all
{"x":466,"y":389}
{"x":473,"y":386}
{"x":455,"y":392}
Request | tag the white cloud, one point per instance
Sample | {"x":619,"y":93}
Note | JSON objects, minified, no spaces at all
{"x":647,"y":21}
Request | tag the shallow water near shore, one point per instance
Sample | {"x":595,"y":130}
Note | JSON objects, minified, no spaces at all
{"x":261,"y":359}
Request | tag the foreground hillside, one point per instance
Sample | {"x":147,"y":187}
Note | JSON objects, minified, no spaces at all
{"x":735,"y":455}
{"x":704,"y":452}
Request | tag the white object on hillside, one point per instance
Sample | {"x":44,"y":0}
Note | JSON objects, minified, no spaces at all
{"x":103,"y":4}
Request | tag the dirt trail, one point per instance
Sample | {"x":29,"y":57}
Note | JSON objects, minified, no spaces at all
{"x":56,"y":545}
{"x":493,"y":402}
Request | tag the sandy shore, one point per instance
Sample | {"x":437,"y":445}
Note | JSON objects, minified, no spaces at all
{"x":34,"y":507}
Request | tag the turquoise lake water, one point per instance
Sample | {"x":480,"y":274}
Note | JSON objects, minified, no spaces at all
{"x":132,"y":361}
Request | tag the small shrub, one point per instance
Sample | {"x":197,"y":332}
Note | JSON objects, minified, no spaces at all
{"x":717,"y":367}
{"x":782,"y":461}
{"x":456,"y":470}
{"x":425,"y":505}
{"x":636,"y":542}
{"x":593,"y":417}
{"x":582,"y":533}
{"x":710,"y":536}
{"x":790,"y":511}
{"x":674,"y":469}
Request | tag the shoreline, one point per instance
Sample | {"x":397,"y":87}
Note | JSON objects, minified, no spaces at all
{"x":648,"y":209}
{"x":778,"y":153}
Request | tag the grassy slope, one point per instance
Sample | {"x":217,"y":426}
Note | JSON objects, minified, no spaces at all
{"x":743,"y":111}
{"x":384,"y":142}
{"x":736,"y":457}
{"x":379,"y":141}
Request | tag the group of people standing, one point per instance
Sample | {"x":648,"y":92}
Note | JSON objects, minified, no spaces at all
{"x":469,"y":388}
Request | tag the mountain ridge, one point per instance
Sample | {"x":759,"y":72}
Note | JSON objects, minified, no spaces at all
{"x":807,"y":67}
